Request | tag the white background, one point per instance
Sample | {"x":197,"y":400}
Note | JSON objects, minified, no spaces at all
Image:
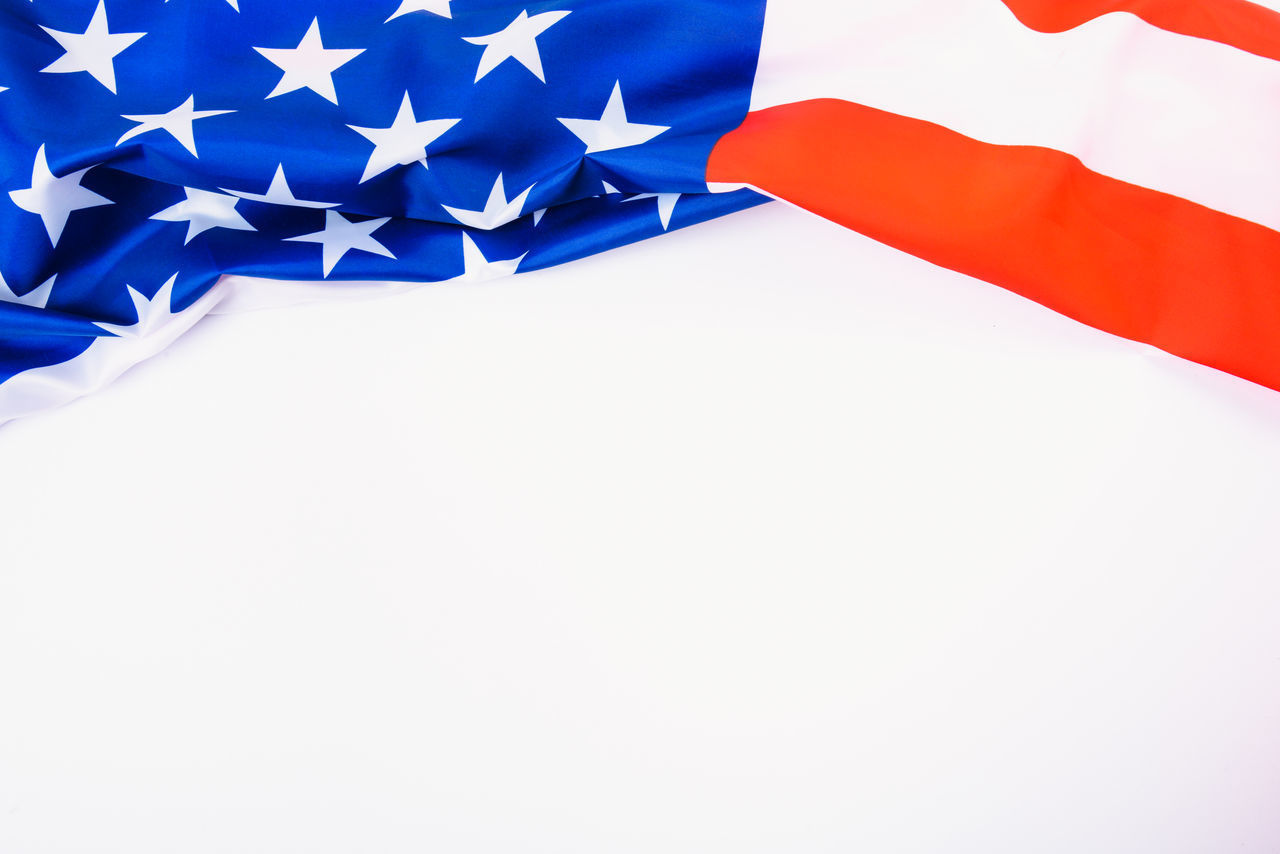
{"x":758,"y":537}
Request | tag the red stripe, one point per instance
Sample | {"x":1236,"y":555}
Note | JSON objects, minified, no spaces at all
{"x":1238,"y":23}
{"x":1142,"y":264}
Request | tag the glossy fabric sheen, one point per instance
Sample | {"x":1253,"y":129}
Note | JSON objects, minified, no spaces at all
{"x":686,"y":65}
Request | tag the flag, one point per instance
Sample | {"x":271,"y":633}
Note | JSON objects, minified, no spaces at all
{"x":1114,"y":160}
{"x":164,"y":159}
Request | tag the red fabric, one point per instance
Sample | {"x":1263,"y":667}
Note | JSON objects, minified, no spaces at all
{"x":1139,"y":263}
{"x":1238,"y":23}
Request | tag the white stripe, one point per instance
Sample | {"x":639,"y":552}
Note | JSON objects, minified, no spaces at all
{"x":1182,"y":115}
{"x":103,"y":362}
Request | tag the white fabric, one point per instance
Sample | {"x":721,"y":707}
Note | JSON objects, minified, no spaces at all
{"x":108,"y":357}
{"x":1183,"y":115}
{"x":41,"y":389}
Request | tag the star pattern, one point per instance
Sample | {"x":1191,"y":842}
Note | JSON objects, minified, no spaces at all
{"x":203,"y":210}
{"x":403,"y":143}
{"x":474,"y":105}
{"x":497,"y":212}
{"x":177,"y":122}
{"x":612,"y":130}
{"x":518,"y":41}
{"x":341,"y":235}
{"x":310,"y":65}
{"x":55,"y":198}
{"x":93,"y":51}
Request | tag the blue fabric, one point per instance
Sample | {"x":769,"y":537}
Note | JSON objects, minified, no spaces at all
{"x":683,"y":64}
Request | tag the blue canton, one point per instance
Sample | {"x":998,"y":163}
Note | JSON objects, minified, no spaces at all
{"x":148,"y":147}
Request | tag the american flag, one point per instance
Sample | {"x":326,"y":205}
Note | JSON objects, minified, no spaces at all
{"x":151,"y":147}
{"x":1113,"y":160}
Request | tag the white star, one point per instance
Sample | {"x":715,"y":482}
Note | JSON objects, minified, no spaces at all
{"x":341,"y":235}
{"x":538,"y":215}
{"x":280,"y":194}
{"x":93,"y":51}
{"x":310,"y":65}
{"x":497,"y":210}
{"x":435,"y":7}
{"x":517,"y":41}
{"x":202,"y":211}
{"x":37,"y":297}
{"x":476,"y":267}
{"x":612,"y":130}
{"x":177,"y":122}
{"x":53,"y":198}
{"x":666,"y":205}
{"x":403,"y":143}
{"x":152,"y":313}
